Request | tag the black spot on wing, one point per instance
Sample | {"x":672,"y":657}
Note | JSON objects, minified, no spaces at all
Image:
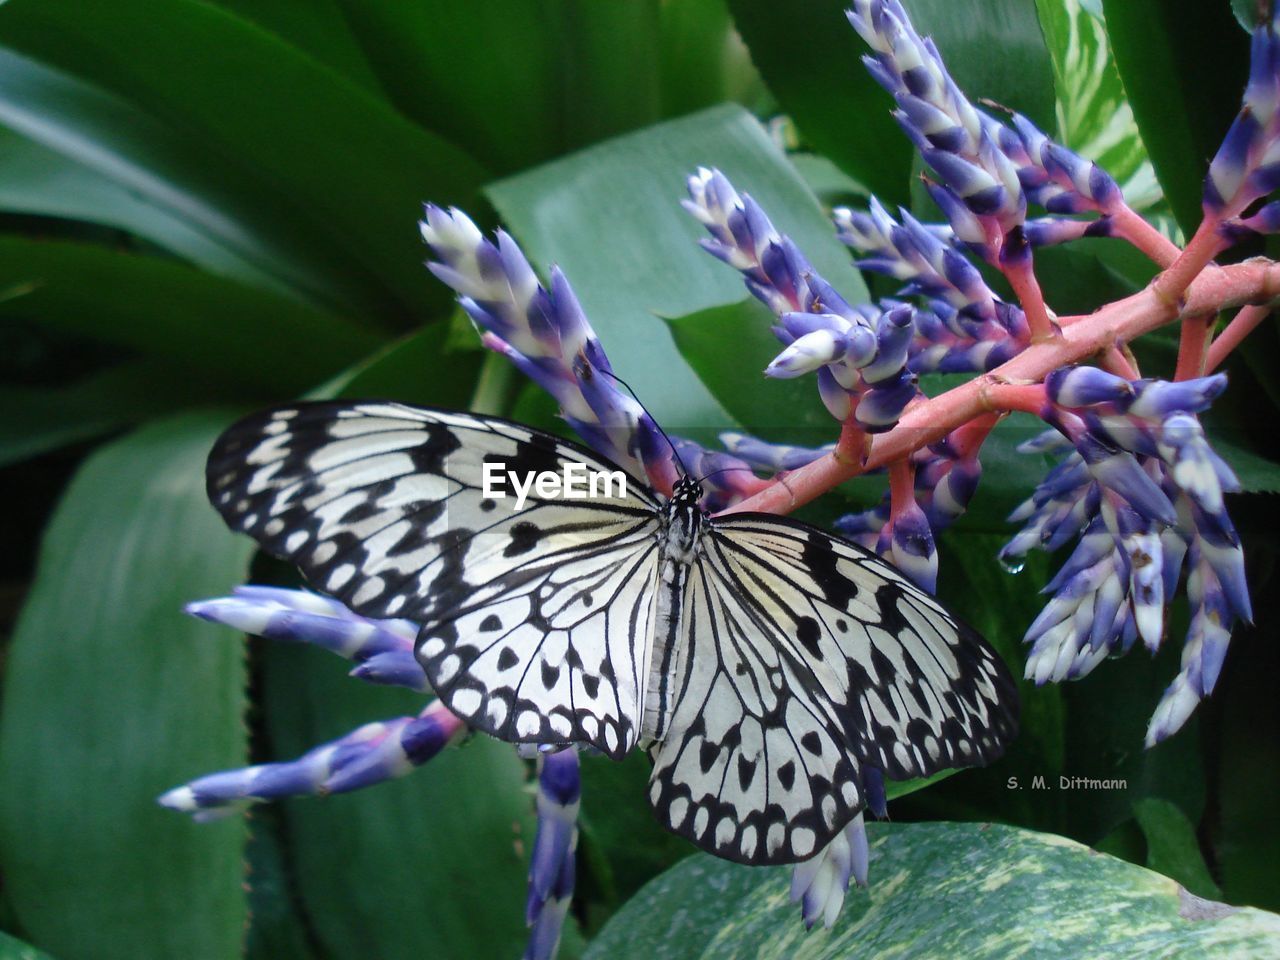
{"x":524,"y":537}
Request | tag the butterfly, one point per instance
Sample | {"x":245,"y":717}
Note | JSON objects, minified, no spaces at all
{"x":762,"y":662}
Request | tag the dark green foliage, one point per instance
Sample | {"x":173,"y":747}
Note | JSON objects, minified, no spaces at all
{"x":210,"y":206}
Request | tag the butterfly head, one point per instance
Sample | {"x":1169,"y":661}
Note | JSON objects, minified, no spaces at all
{"x":686,"y":492}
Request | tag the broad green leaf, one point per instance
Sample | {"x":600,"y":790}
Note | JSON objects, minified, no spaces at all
{"x":277,"y":928}
{"x":610,"y":216}
{"x":810,"y":58}
{"x":317,"y":27}
{"x":215,"y":327}
{"x":431,"y":865}
{"x":1183,"y":64}
{"x":938,"y":890}
{"x":420,"y":367}
{"x":512,"y":82}
{"x":704,"y":61}
{"x":1172,"y":847}
{"x":34,"y":420}
{"x":1094,"y":118}
{"x":39,"y":180}
{"x":786,"y":411}
{"x":112,"y":696}
{"x":12,"y":948}
{"x":259,"y":134}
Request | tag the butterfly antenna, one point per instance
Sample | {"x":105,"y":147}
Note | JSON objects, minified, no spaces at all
{"x":684,"y":471}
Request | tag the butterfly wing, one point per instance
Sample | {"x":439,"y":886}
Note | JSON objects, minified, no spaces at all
{"x":535,"y":620}
{"x":807,"y":657}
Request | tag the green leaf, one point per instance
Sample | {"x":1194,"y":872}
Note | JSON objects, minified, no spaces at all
{"x":1094,"y":118}
{"x":42,"y":181}
{"x":318,"y":28}
{"x":1183,"y":63}
{"x":260,"y":142}
{"x":1172,"y":847}
{"x":433,"y":864}
{"x":810,"y":58}
{"x":214,"y":327}
{"x":112,"y":696}
{"x":1255,"y":473}
{"x":34,"y":420}
{"x":785,"y":411}
{"x":512,"y":82}
{"x":12,"y":948}
{"x":704,"y":62}
{"x":611,"y":217}
{"x":420,"y":367}
{"x":937,"y":890}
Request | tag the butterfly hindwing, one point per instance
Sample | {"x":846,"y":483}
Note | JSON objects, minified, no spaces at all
{"x":529,"y":613}
{"x":749,"y":768}
{"x":846,"y":663}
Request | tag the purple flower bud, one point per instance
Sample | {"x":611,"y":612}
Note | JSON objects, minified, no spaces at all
{"x":1157,"y":399}
{"x":551,"y":866}
{"x":1083,"y":386}
{"x":396,"y":668}
{"x":298,"y":616}
{"x":911,"y":548}
{"x":1119,"y":471}
{"x":806,"y":354}
{"x":771,"y":456}
{"x":820,"y":883}
{"x":371,"y":754}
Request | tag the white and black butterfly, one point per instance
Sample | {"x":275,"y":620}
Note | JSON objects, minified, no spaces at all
{"x":761,"y":661}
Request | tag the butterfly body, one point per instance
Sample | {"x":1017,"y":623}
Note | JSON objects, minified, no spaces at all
{"x":763,"y":663}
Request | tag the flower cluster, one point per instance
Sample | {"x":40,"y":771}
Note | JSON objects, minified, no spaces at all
{"x":383,"y":750}
{"x":859,"y":353}
{"x":988,"y":171}
{"x":545,"y":334}
{"x":1143,"y":491}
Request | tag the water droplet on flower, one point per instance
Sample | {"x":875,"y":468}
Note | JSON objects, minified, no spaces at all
{"x":1012,"y":564}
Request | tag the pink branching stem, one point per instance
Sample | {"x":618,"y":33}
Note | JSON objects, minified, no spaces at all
{"x":1026,"y":288}
{"x":1127,"y":225}
{"x":1241,"y":325}
{"x":1256,"y":281}
{"x":1193,"y":346}
{"x":1010,"y":397}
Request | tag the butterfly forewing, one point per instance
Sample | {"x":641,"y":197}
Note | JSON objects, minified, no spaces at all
{"x":534,"y":618}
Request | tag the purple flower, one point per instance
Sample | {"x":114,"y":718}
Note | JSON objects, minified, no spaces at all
{"x":1247,"y":165}
{"x":1143,"y":490}
{"x":371,"y":754}
{"x":551,"y":868}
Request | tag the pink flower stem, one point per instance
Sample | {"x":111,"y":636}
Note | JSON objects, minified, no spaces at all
{"x":902,"y":487}
{"x":1241,"y":325}
{"x":1254,"y":281}
{"x":1115,"y":359}
{"x":852,"y":445}
{"x":1026,"y":288}
{"x":1127,"y":225}
{"x":968,"y":439}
